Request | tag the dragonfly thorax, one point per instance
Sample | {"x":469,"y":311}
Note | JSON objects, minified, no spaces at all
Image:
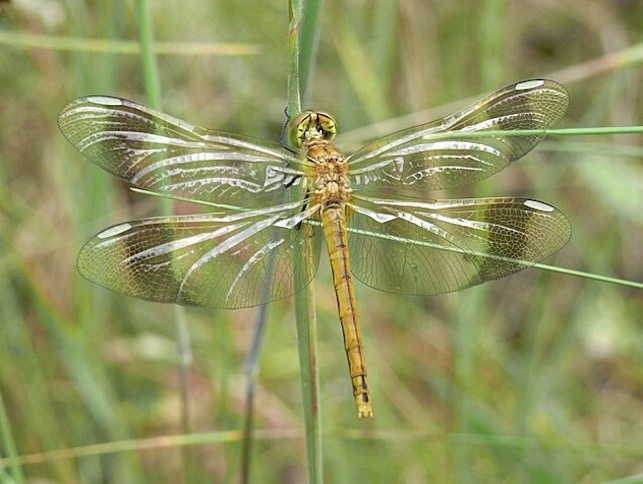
{"x":330,"y":181}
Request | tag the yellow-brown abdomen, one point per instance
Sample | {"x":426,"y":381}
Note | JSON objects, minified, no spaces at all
{"x":334,"y":223}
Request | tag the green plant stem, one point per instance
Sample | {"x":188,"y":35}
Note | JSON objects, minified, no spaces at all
{"x":308,"y":41}
{"x":152,"y":84}
{"x":148,"y":58}
{"x":9,"y":445}
{"x":300,"y":33}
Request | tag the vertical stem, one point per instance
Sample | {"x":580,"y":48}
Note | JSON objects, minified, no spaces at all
{"x":309,"y":377}
{"x":152,"y":84}
{"x":492,"y":42}
{"x":308,"y":41}
{"x":294,"y":99}
{"x":465,"y":335}
{"x":148,"y":57}
{"x":250,"y":369}
{"x":304,"y":300}
{"x":9,"y":445}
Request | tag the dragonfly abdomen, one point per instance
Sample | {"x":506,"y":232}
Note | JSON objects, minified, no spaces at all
{"x":334,"y":223}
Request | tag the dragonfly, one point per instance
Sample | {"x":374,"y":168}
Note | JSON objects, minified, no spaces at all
{"x":270,"y":205}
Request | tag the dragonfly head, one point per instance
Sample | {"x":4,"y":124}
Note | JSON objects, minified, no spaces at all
{"x":309,"y":127}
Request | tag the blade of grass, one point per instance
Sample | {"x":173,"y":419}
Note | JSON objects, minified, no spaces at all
{"x":294,"y":94}
{"x":152,"y":86}
{"x":368,"y":87}
{"x":251,"y":367}
{"x":125,"y":47}
{"x":9,"y":445}
{"x":151,"y":82}
{"x":308,"y":42}
{"x":75,"y":341}
{"x":492,"y":43}
{"x":299,"y":34}
{"x":384,"y":31}
{"x":466,"y":331}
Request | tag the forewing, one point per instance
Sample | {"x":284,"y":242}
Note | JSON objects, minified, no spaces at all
{"x":449,"y":245}
{"x":217,"y":261}
{"x":160,"y":153}
{"x":413,"y":160}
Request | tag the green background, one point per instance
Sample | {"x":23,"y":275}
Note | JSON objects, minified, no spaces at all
{"x":534,"y":378}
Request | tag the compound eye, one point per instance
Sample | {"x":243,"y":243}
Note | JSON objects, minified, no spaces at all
{"x":328,"y":125}
{"x":298,"y":128}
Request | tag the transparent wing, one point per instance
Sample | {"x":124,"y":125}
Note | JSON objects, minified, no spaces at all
{"x":448,"y":245}
{"x":157,"y":152}
{"x":414,"y":161}
{"x":211,"y":260}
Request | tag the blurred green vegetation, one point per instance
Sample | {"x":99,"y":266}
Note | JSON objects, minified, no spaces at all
{"x":535,"y":378}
